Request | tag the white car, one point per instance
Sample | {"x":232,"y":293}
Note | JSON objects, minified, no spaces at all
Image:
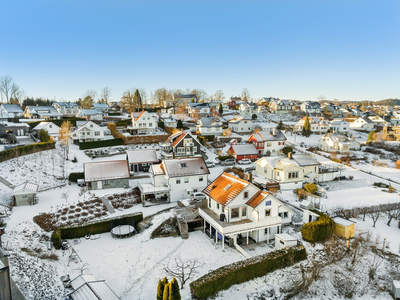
{"x":210,"y":164}
{"x":244,"y":161}
{"x":198,"y":196}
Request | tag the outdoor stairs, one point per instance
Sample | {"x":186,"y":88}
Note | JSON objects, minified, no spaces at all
{"x":2,"y":180}
{"x":192,"y":216}
{"x":183,"y":228}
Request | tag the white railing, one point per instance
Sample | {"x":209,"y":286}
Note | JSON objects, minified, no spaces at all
{"x":151,"y":188}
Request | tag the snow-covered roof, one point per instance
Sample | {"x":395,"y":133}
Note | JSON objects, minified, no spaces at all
{"x":142,"y":156}
{"x":90,"y":112}
{"x":343,"y":222}
{"x":104,"y":170}
{"x":87,"y":287}
{"x":100,"y":105}
{"x":262,"y":136}
{"x":44,"y":110}
{"x":396,"y":284}
{"x":12,"y":108}
{"x":185,"y":167}
{"x":11,"y":124}
{"x":210,"y":122}
{"x":25,"y":188}
{"x":157,"y":170}
{"x":305,"y":159}
{"x":43,"y":125}
{"x":66,"y":104}
{"x":247,"y":149}
{"x":285,"y":237}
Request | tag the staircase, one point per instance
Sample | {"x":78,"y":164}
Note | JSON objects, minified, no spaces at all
{"x":183,"y":228}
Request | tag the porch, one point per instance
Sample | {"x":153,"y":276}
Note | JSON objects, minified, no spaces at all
{"x":153,"y":195}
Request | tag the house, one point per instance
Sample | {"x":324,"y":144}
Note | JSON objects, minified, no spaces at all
{"x":335,"y":142}
{"x":332,"y":110}
{"x":169,"y":122}
{"x":209,"y":126}
{"x":10,"y":129}
{"x":51,"y":128}
{"x":90,"y":114}
{"x":182,"y":98}
{"x":344,"y":228}
{"x":42,"y":112}
{"x":284,"y":240}
{"x":240,"y":125}
{"x":392,"y":132}
{"x":87,"y":131}
{"x":176,"y":178}
{"x":338,"y":125}
{"x":247,"y":109}
{"x":180,"y":144}
{"x":141,"y":160}
{"x":68,"y":109}
{"x":234,"y":102}
{"x":10,"y":111}
{"x":379,"y":122}
{"x":198,"y":110}
{"x":106,"y":174}
{"x":103,"y":107}
{"x":310,"y":107}
{"x":244,"y":151}
{"x":363,"y":123}
{"x":268,"y":142}
{"x":25,"y":194}
{"x":143,"y":123}
{"x":317,"y":124}
{"x":236,"y":207}
{"x":279,"y":106}
{"x":87,"y":287}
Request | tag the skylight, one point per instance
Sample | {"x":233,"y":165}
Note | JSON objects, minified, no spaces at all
{"x":183,"y":165}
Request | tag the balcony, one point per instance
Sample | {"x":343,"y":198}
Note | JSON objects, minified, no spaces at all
{"x":322,"y":170}
{"x":148,"y":188}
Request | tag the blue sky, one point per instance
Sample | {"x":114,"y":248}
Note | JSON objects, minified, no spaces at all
{"x":349,"y":50}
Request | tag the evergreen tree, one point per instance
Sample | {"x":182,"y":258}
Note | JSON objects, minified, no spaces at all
{"x":161,"y":124}
{"x":326,"y":112}
{"x":253,"y":116}
{"x":280,"y":125}
{"x":220,"y":109}
{"x":307,"y":127}
{"x":44,"y":136}
{"x":179,"y":124}
{"x":166,"y":291}
{"x":138,"y":100}
{"x":165,"y":280}
{"x":174,"y":293}
{"x":160,"y":289}
{"x":371,"y":136}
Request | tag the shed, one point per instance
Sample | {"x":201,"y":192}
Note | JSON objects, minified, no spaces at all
{"x":87,"y":287}
{"x":107,"y":174}
{"x":25,"y":194}
{"x":344,"y":228}
{"x":284,"y":240}
{"x":309,"y":216}
{"x":396,"y":289}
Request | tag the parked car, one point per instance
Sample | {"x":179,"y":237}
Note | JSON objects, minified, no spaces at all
{"x":245,"y":161}
{"x":198,"y":196}
{"x":324,"y":186}
{"x":228,"y":162}
{"x":210,"y":164}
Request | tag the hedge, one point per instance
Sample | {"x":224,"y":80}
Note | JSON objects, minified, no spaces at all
{"x":57,"y":122}
{"x":115,"y":133}
{"x":243,"y":271}
{"x":319,"y":230}
{"x":97,"y":227}
{"x":124,"y":122}
{"x":114,"y":113}
{"x":99,"y":144}
{"x":73,"y":177}
{"x":203,"y":138}
{"x":24,"y":150}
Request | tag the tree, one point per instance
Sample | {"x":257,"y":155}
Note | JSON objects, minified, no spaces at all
{"x":91,"y":93}
{"x":9,"y":90}
{"x":179,"y":124}
{"x":128,"y":101}
{"x":161,"y":124}
{"x":138,"y":100}
{"x":182,"y":269}
{"x":87,"y":102}
{"x":245,"y":95}
{"x":220,"y":109}
{"x":44,"y":136}
{"x":163,"y":98}
{"x":280,"y":125}
{"x":375,"y":214}
{"x":174,"y":293}
{"x":166,"y":291}
{"x":306,"y":127}
{"x":219,"y":95}
{"x":321,"y":98}
{"x":63,"y":136}
{"x":201,"y":95}
{"x":311,"y":188}
{"x":253,"y":116}
{"x":371,"y":136}
{"x":286,"y":150}
{"x":105,"y":96}
{"x":160,"y":288}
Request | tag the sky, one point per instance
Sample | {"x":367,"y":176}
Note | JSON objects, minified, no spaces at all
{"x":347,"y":50}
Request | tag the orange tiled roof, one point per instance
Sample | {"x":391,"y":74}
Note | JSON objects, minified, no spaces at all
{"x":141,"y":114}
{"x":225,"y":188}
{"x":257,"y":198}
{"x":178,"y":139}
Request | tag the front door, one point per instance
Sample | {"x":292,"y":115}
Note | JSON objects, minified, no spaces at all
{"x":100,"y":184}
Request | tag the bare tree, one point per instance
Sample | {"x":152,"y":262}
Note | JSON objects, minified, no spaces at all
{"x":91,"y":93}
{"x":65,"y":196}
{"x":105,"y":96}
{"x":10,"y":90}
{"x":181,"y":269}
{"x":219,"y":95}
{"x":321,"y":98}
{"x":128,"y":100}
{"x":162,"y":97}
{"x":375,"y":214}
{"x":245,"y":95}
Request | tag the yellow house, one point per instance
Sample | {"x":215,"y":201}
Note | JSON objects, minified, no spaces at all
{"x":344,"y":228}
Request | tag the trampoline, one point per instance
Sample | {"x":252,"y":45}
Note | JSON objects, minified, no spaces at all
{"x":123,"y":231}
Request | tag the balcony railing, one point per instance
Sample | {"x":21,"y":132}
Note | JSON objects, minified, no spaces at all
{"x":323,"y":170}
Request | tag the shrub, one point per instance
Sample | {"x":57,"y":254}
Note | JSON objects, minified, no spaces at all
{"x":319,"y":230}
{"x":44,"y":136}
{"x":311,"y":188}
{"x":224,"y":157}
{"x":56,"y":238}
{"x":24,"y":150}
{"x":73,"y":177}
{"x":253,"y":116}
{"x":124,"y":123}
{"x":397,"y":164}
{"x":99,"y":144}
{"x":286,"y":150}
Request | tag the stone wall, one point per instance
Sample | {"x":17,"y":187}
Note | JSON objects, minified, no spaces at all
{"x":146,"y":139}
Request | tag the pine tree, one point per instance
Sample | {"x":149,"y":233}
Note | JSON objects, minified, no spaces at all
{"x":166,"y":291}
{"x":174,"y":293}
{"x":306,"y":127}
{"x":179,"y":124}
{"x":160,"y":289}
{"x":371,"y":136}
{"x":220,"y":109}
{"x":280,"y":125}
{"x":138,"y":100}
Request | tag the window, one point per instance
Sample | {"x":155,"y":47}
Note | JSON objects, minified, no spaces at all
{"x":178,"y":181}
{"x":50,"y":126}
{"x":282,"y":242}
{"x":246,"y":194}
{"x":97,"y":133}
{"x":293,"y":175}
{"x":217,"y":205}
{"x":244,"y":211}
{"x":209,"y":203}
{"x":91,"y":125}
{"x":235,"y":212}
{"x":194,"y":149}
{"x":150,"y":124}
{"x":269,"y":144}
{"x":24,"y":196}
{"x":105,"y":182}
{"x":183,"y":165}
{"x":267,"y":230}
{"x":144,"y":164}
{"x":201,"y":178}
{"x":267,"y":212}
{"x":283,"y":215}
{"x":187,"y":180}
{"x":265,"y":170}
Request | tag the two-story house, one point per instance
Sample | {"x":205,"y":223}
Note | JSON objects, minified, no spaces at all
{"x":209,"y":126}
{"x":103,"y":107}
{"x":247,"y":109}
{"x":68,"y":109}
{"x":280,"y":106}
{"x":268,"y":143}
{"x":363,"y":123}
{"x":90,"y":114}
{"x":310,"y":107}
{"x":237,"y":208}
{"x":198,"y":110}
{"x":240,"y":125}
{"x":180,"y":144}
{"x":87,"y":131}
{"x":42,"y":112}
{"x":335,"y":142}
{"x":317,"y":124}
{"x":339,"y":125}
{"x":144,"y":123}
{"x":10,"y":111}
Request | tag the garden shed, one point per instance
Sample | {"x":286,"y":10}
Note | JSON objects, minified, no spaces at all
{"x":396,"y":289}
{"x":107,"y":174}
{"x":284,"y":240}
{"x":88,"y":287}
{"x":344,"y":228}
{"x":25,"y":194}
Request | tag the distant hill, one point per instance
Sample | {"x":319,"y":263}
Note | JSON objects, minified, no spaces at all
{"x":389,"y":102}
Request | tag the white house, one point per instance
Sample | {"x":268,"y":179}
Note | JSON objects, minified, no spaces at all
{"x":87,"y":131}
{"x":68,"y":109}
{"x":334,"y":142}
{"x":103,"y":107}
{"x":51,"y":128}
{"x":240,"y":125}
{"x":279,"y":106}
{"x":9,"y":111}
{"x":310,"y":107}
{"x":317,"y":124}
{"x":198,"y":110}
{"x":169,"y":122}
{"x":340,"y":125}
{"x":268,"y":142}
{"x":363,"y":123}
{"x":42,"y":112}
{"x":90,"y":114}
{"x":144,"y":123}
{"x":236,"y":207}
{"x":247,"y":109}
{"x":378,"y":121}
{"x":177,"y":178}
{"x":209,"y":126}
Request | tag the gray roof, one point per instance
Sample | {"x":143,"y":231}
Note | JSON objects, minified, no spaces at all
{"x":104,"y":170}
{"x":100,"y":105}
{"x":185,"y":95}
{"x":262,"y":136}
{"x":305,"y":160}
{"x":209,"y":122}
{"x":247,"y":149}
{"x":180,"y":167}
{"x":12,"y":108}
{"x":367,"y":120}
{"x":89,"y":112}
{"x":142,"y":156}
{"x":44,"y":110}
{"x":66,"y":104}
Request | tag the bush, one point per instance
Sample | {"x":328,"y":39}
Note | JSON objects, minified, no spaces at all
{"x":224,"y":157}
{"x":243,"y":271}
{"x":115,"y":133}
{"x":286,"y":150}
{"x":124,"y":123}
{"x":161,"y":124}
{"x":56,"y":238}
{"x":44,"y":136}
{"x":99,"y":144}
{"x":319,"y":230}
{"x":311,"y":188}
{"x":253,"y":116}
{"x":24,"y":150}
{"x":73,"y":177}
{"x":397,"y":164}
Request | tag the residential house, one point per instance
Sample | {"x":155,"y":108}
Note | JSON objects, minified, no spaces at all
{"x":335,"y":142}
{"x":247,"y":109}
{"x":363,"y":123}
{"x":243,"y":151}
{"x":198,"y":110}
{"x":240,"y":125}
{"x":339,"y":125}
{"x":269,"y":142}
{"x":392,"y":132}
{"x":103,"y":107}
{"x":317,"y":124}
{"x":176,"y":178}
{"x":87,"y":131}
{"x":90,"y":114}
{"x":10,"y":130}
{"x":42,"y":112}
{"x":51,"y":128}
{"x":182,"y":98}
{"x":379,"y":122}
{"x":10,"y":111}
{"x":169,"y":122}
{"x":180,"y":144}
{"x":234,"y":102}
{"x":237,"y":208}
{"x":279,"y":106}
{"x":209,"y":126}
{"x":68,"y":109}
{"x":144,"y":123}
{"x":25,"y":194}
{"x":141,"y":160}
{"x":106,"y":174}
{"x":310,"y":107}
{"x":332,"y":110}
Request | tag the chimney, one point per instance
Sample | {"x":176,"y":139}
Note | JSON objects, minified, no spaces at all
{"x":273,"y":131}
{"x":290,"y":155}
